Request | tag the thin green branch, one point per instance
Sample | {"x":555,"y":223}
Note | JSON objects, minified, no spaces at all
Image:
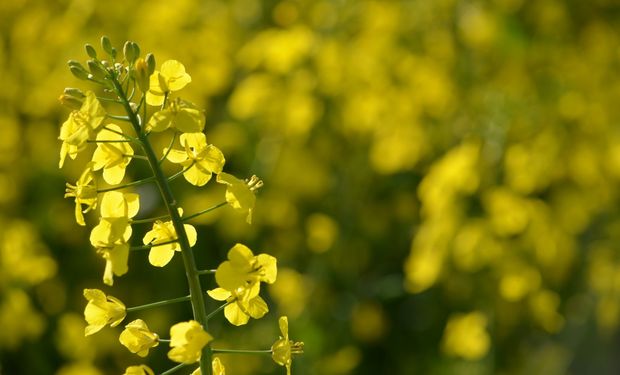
{"x":242,"y":351}
{"x":130,"y":184}
{"x":150,"y":219}
{"x":152,"y":245}
{"x":206,"y":272}
{"x":158,"y":304}
{"x":119,"y":118}
{"x":122,"y":134}
{"x":174,"y":137}
{"x":174,"y":369}
{"x":214,"y":312}
{"x":186,"y":218}
{"x":179,"y":173}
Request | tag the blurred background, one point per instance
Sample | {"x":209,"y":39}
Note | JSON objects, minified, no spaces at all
{"x":441,"y":182}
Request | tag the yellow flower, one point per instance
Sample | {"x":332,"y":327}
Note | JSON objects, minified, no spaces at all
{"x":81,"y":125}
{"x":137,"y":338}
{"x":102,"y":310}
{"x":283,"y":348}
{"x":163,"y":232}
{"x":110,"y":236}
{"x":139,"y":370}
{"x":187,"y":340}
{"x":181,"y":115}
{"x":239,"y":193}
{"x":243,"y":304}
{"x":199,"y":159}
{"x":216,"y":365}
{"x":116,"y":210}
{"x":244,"y":270}
{"x":116,"y":258}
{"x":172,"y":77}
{"x":85,"y":193}
{"x":466,"y":336}
{"x":112,"y":157}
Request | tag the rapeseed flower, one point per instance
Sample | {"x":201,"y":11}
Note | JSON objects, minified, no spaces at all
{"x":139,"y":370}
{"x":164,"y":233}
{"x":180,"y":115}
{"x":243,"y":269}
{"x":243,"y":304}
{"x":240,"y":193}
{"x":198,"y":158}
{"x":283,"y":348}
{"x":138,"y":338}
{"x":85,"y":193}
{"x":187,"y":340}
{"x":102,"y":310}
{"x":112,"y":157}
{"x":82,"y":125}
{"x":171,"y":77}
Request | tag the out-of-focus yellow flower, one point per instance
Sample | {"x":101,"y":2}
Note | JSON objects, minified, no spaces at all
{"x":112,"y":157}
{"x":138,"y":339}
{"x":187,"y":340}
{"x":82,"y":125}
{"x":139,"y":370}
{"x":102,"y":310}
{"x":85,"y":193}
{"x":239,"y":193}
{"x":181,"y":115}
{"x":216,"y":365}
{"x":79,"y":368}
{"x":283,"y":348}
{"x":116,"y":258}
{"x":242,"y":304}
{"x":198,"y":158}
{"x":171,"y":77}
{"x":18,"y":318}
{"x":465,"y":336}
{"x":244,"y":270}
{"x":164,"y":233}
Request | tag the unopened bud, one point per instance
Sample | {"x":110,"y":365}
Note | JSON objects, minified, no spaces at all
{"x":142,"y":74}
{"x":129,"y":52}
{"x":77,"y":69}
{"x":74,"y":92}
{"x":106,"y":44}
{"x":150,"y":62}
{"x":70,"y":101}
{"x":90,"y":51}
{"x":96,"y":70}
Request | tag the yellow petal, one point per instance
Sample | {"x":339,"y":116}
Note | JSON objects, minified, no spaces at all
{"x":159,"y":256}
{"x":219,"y":294}
{"x":174,"y":74}
{"x":235,"y":315}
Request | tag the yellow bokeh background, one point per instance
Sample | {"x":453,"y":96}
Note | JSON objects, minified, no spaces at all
{"x":441,"y":181}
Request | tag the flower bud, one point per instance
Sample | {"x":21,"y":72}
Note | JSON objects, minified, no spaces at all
{"x":129,"y":52}
{"x":150,"y":62}
{"x":90,"y":51}
{"x":142,"y":74}
{"x":72,"y":91}
{"x":96,"y":70}
{"x":77,"y":69}
{"x":106,"y":45}
{"x":71,"y":102}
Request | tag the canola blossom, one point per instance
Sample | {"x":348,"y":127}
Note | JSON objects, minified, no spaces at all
{"x":102,"y":310}
{"x":187,"y":340}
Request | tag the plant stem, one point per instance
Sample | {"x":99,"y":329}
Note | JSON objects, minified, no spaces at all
{"x":191,"y":271}
{"x":152,"y":245}
{"x":157,"y":304}
{"x":204,"y":211}
{"x":206,"y":272}
{"x":214,"y":312}
{"x":130,"y":184}
{"x":150,"y":219}
{"x":174,"y":369}
{"x":241,"y":351}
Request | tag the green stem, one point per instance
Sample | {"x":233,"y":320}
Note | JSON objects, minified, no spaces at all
{"x":150,"y":246}
{"x":122,"y":134}
{"x":206,"y":272}
{"x":214,"y":312}
{"x":241,"y":351}
{"x":120,"y":118}
{"x":186,"y":218}
{"x":174,"y":137}
{"x":157,"y":304}
{"x":150,"y":219}
{"x":130,"y":184}
{"x":191,"y":271}
{"x":174,"y":369}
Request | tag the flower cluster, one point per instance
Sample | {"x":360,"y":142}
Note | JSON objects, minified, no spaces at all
{"x":157,"y":109}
